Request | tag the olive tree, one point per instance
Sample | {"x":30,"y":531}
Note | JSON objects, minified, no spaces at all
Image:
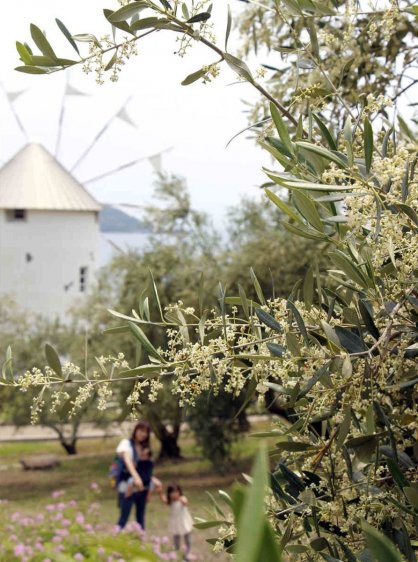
{"x":26,"y":333}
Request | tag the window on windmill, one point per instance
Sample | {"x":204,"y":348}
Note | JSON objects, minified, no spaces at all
{"x":83,"y":279}
{"x":16,"y":214}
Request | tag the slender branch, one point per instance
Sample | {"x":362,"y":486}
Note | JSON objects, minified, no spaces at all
{"x":191,"y":33}
{"x":56,"y":429}
{"x":114,"y":47}
{"x":399,"y":94}
{"x":324,"y":450}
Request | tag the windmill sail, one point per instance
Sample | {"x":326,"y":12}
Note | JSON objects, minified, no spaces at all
{"x":121,"y":114}
{"x":69,"y":91}
{"x":11,"y":98}
{"x":155,"y":160}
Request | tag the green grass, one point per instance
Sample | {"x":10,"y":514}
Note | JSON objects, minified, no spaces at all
{"x":13,"y":451}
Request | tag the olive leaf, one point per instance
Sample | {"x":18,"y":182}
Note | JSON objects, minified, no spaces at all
{"x":282,"y":206}
{"x":350,"y":341}
{"x":268,"y":320}
{"x":42,"y":43}
{"x":126,"y":12}
{"x":53,"y":359}
{"x":203,"y":16}
{"x":281,"y":128}
{"x":144,"y":341}
{"x":228,"y":27}
{"x":308,"y":210}
{"x":67,"y":35}
{"x":299,"y":320}
{"x":381,"y":547}
{"x":25,"y":55}
{"x":368,"y":144}
{"x":32,"y":69}
{"x":239,"y":67}
{"x":276,"y":349}
{"x":193,"y":77}
{"x":251,"y":516}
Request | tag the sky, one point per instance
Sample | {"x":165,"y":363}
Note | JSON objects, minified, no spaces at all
{"x":196,"y":121}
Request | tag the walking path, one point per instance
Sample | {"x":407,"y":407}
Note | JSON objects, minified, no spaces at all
{"x":43,"y":433}
{"x":87,"y":431}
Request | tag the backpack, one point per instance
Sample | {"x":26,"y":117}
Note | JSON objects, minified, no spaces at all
{"x":115,"y":471}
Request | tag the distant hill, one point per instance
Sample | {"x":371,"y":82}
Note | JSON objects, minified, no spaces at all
{"x":112,"y":219}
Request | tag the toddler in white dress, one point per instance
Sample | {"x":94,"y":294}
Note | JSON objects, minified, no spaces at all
{"x":180,"y":523}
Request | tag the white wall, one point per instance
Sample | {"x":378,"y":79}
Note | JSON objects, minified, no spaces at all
{"x":59,"y":243}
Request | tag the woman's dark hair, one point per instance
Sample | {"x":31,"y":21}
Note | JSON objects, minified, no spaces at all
{"x":145,"y":426}
{"x":173,"y":488}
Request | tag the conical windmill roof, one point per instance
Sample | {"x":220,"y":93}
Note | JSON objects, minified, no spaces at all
{"x":34,"y":179}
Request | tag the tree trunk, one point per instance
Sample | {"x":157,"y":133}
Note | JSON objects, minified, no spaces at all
{"x":71,"y":447}
{"x":169,"y":447}
{"x":243,"y":423}
{"x":167,"y":432}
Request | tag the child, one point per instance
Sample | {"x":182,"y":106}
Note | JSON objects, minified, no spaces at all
{"x":180,"y":523}
{"x":145,"y":466}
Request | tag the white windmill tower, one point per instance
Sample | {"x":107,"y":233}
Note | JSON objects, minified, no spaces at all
{"x":49,"y":233}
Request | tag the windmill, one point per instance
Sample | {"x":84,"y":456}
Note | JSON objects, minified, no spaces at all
{"x":49,"y":227}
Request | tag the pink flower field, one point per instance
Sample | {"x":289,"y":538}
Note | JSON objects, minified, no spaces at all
{"x":66,"y":530}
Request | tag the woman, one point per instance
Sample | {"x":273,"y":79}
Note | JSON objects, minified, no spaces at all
{"x":136,"y":478}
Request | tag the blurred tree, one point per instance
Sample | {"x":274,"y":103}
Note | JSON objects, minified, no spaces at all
{"x":26,"y":334}
{"x":259,"y":241}
{"x":217,"y":426}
